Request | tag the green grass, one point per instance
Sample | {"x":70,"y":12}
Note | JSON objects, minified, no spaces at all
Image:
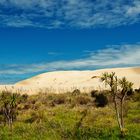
{"x":43,"y":117}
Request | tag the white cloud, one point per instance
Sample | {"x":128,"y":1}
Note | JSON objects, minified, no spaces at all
{"x":69,"y":13}
{"x":134,"y":10}
{"x":112,"y":56}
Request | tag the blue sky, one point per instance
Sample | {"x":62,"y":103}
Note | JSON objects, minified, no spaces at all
{"x":45,"y":35}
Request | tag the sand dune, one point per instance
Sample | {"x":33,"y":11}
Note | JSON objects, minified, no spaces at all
{"x":63,"y":81}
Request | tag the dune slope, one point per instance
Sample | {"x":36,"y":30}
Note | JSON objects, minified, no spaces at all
{"x":62,"y":81}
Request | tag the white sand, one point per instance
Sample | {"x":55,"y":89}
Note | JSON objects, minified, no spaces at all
{"x":63,"y":81}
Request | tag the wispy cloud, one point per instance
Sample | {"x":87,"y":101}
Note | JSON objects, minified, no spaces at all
{"x":55,"y":53}
{"x":112,"y":56}
{"x":69,"y":13}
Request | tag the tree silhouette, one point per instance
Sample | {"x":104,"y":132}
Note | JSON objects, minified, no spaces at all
{"x":8,"y":104}
{"x":119,"y":89}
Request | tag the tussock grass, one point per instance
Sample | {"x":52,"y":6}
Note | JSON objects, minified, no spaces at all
{"x":70,"y":116}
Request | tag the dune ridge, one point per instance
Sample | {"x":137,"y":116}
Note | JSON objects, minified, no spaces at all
{"x":63,"y":81}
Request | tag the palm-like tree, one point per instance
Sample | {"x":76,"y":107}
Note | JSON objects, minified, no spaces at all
{"x":8,"y":103}
{"x":126,"y":86}
{"x":119,"y":89}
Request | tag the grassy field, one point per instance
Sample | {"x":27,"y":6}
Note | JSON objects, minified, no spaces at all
{"x":70,"y":116}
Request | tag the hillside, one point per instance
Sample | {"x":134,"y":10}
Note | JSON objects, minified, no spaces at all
{"x":63,"y":81}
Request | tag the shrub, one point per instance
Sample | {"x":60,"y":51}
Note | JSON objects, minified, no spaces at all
{"x":23,"y":98}
{"x":136,"y":96}
{"x":82,"y":100}
{"x":27,"y":106}
{"x":93,"y":93}
{"x":59,"y":99}
{"x":130,"y":92}
{"x":9,"y":109}
{"x":101,"y":100}
{"x":76,"y":92}
{"x":137,"y":90}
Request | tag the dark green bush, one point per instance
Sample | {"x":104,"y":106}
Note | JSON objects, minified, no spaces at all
{"x":101,"y":100}
{"x":130,"y":92}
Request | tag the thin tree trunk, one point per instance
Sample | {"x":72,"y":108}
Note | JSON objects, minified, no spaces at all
{"x":117,"y":114}
{"x":10,"y":122}
{"x":122,"y":110}
{"x":122,"y":120}
{"x":122,"y":116}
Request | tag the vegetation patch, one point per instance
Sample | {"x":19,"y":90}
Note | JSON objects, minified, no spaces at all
{"x":68,"y":116}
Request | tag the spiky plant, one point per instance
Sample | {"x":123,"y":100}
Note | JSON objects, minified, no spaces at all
{"x":119,"y":89}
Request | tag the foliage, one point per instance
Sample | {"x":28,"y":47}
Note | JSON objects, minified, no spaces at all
{"x":43,"y":117}
{"x":101,"y":100}
{"x":8,"y":103}
{"x":119,"y":89}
